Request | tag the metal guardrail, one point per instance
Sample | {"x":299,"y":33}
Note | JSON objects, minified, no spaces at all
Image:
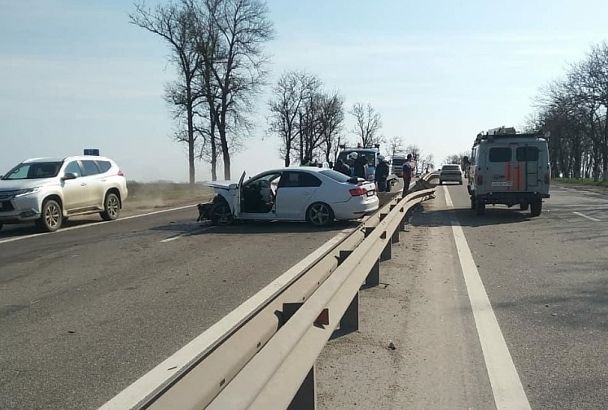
{"x":262,"y":354}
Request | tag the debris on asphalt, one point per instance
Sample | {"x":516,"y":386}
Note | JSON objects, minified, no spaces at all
{"x":391,"y":345}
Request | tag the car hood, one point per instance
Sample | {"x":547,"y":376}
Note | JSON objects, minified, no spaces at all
{"x":221,"y":184}
{"x":13,"y":185}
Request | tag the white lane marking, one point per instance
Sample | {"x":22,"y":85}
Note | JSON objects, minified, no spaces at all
{"x":586,"y":217}
{"x":182,"y":235}
{"x":504,"y":379}
{"x":134,"y":395}
{"x":71,"y":228}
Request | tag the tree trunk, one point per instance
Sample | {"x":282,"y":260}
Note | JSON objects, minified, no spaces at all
{"x":213,"y":146}
{"x":190,"y":115}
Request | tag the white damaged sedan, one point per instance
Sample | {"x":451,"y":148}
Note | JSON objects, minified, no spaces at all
{"x":316,"y":195}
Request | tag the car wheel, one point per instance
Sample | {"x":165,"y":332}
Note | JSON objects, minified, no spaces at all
{"x":480,"y":206}
{"x":221,"y":214}
{"x":320,"y":214}
{"x":523,"y":206}
{"x":111,"y":207}
{"x":536,"y":208}
{"x":52,"y":216}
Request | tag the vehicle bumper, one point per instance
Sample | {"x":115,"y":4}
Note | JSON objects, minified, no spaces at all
{"x":450,"y":178}
{"x":21,"y":209}
{"x":356,"y":207}
{"x":512,"y":198}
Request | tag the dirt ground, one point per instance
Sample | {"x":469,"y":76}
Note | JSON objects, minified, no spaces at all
{"x":154,"y":195}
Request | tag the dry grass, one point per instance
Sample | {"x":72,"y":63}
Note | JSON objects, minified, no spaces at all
{"x":162,"y":194}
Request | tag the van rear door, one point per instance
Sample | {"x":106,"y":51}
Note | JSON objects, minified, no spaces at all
{"x":499,"y":171}
{"x":527,"y":157}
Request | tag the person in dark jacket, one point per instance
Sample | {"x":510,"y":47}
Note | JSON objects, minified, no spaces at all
{"x":360,"y":165}
{"x":381,"y":174}
{"x":408,"y":170}
{"x":342,"y":167}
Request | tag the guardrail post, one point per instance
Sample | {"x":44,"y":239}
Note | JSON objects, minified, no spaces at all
{"x":306,"y":397}
{"x":387,"y":252}
{"x":373,"y":278}
{"x":350,"y":320}
{"x":396,"y":237}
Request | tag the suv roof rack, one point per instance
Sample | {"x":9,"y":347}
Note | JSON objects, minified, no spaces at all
{"x":504,"y":132}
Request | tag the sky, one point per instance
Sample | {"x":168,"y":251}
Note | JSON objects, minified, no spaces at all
{"x":75,"y":74}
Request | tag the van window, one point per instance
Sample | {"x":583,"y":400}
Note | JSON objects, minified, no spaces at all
{"x":500,"y":154}
{"x":527,"y":154}
{"x":104,"y":166}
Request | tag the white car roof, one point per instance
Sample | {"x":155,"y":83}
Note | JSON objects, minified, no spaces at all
{"x":72,"y":158}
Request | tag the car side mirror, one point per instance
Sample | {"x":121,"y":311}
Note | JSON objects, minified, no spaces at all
{"x":69,"y":175}
{"x":233,"y":186}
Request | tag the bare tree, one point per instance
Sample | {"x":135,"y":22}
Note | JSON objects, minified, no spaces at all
{"x":173,"y":24}
{"x":231,"y":35}
{"x":367,"y":124}
{"x":395,"y":144}
{"x":331,"y":118}
{"x":289,"y":94}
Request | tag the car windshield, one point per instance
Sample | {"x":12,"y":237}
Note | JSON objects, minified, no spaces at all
{"x":370,"y":155}
{"x":451,"y":167}
{"x":33,"y":170}
{"x":335,"y":175}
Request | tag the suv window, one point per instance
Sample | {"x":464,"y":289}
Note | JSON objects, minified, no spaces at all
{"x":500,"y":154}
{"x":104,"y":166}
{"x":34,"y":170}
{"x":526,"y":154}
{"x":90,"y":167}
{"x":73,"y":168}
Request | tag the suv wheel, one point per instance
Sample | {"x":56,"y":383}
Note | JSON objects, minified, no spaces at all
{"x":523,"y":206}
{"x":52,"y":216}
{"x":536,"y":207}
{"x":111,"y":207}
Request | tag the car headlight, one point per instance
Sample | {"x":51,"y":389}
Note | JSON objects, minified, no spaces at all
{"x":26,"y":191}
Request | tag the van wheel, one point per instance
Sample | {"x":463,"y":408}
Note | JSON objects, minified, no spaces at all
{"x":111,"y":207}
{"x":536,"y":208}
{"x":523,"y":206}
{"x":480,"y":206}
{"x":52,"y":216}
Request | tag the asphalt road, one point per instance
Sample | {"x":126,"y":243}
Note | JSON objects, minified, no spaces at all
{"x":546,"y":282}
{"x":86,"y":311}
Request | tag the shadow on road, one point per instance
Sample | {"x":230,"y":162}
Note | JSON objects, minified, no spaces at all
{"x":14,"y":230}
{"x":467,"y":217}
{"x":252,"y":227}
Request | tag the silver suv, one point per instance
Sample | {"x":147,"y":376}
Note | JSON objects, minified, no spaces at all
{"x":48,"y":191}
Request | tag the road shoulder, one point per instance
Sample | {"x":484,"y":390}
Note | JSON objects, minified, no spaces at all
{"x":421,"y":307}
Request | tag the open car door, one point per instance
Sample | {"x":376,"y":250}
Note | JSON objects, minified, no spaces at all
{"x":238,"y":196}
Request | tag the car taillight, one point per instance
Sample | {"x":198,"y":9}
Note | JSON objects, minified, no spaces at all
{"x":358,"y":191}
{"x":479,"y":179}
{"x":120,"y":173}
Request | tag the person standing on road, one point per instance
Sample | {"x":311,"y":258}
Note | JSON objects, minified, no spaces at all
{"x":360,"y":165}
{"x":342,"y":168}
{"x":381,"y":174}
{"x":408,"y":170}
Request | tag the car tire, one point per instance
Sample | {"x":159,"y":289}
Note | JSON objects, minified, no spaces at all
{"x":320,"y":214}
{"x":480,"y":206}
{"x":523,"y":206}
{"x":536,"y":208}
{"x":111,"y":207}
{"x":221,"y":214}
{"x":51,"y":216}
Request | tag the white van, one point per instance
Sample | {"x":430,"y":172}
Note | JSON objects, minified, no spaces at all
{"x":509,"y":168}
